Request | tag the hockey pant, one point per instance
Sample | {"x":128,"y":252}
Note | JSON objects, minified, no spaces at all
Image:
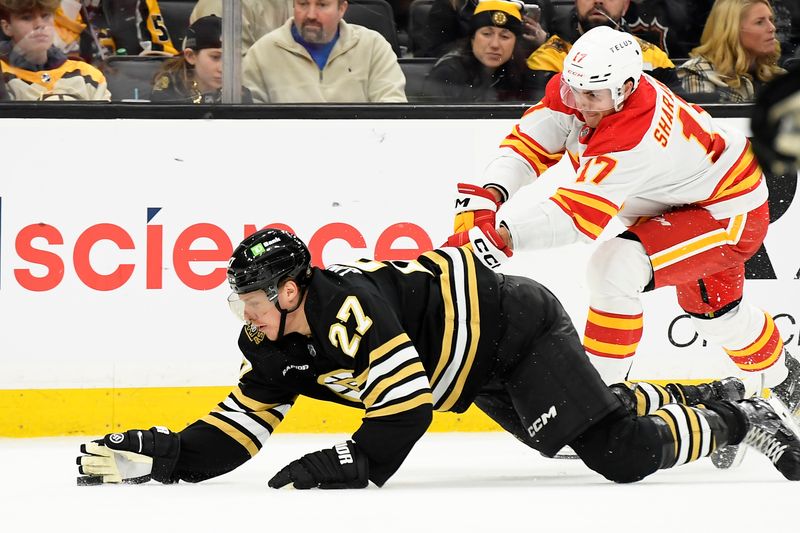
{"x":547,"y":394}
{"x":703,"y":258}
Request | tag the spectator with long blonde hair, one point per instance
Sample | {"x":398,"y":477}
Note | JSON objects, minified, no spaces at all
{"x":738,"y":52}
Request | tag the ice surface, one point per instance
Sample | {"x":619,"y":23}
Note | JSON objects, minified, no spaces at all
{"x":459,"y":483}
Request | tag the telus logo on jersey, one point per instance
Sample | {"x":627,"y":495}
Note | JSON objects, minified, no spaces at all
{"x":541,"y":422}
{"x":44,"y":247}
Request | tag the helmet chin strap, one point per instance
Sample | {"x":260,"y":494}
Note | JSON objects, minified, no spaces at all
{"x":285,"y":312}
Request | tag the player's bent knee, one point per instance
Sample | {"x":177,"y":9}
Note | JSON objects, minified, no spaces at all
{"x":622,"y":447}
{"x":619,"y":266}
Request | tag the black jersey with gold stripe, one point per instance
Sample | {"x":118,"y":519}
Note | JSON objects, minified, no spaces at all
{"x":548,"y":59}
{"x":395,"y":338}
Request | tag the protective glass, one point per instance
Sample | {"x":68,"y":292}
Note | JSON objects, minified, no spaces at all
{"x":592,"y":101}
{"x":250,"y":304}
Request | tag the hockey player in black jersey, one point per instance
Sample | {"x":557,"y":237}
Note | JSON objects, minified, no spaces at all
{"x":400,"y":339}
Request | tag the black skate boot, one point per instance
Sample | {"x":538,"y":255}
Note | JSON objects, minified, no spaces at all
{"x":789,"y":390}
{"x":725,"y":389}
{"x":773,"y":432}
{"x":731,"y":388}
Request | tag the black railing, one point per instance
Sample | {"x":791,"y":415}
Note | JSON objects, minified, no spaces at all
{"x":103,"y":110}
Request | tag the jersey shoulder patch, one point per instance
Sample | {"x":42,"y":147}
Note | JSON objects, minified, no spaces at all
{"x":253,"y":335}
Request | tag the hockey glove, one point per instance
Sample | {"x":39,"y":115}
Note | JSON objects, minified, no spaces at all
{"x":486,"y":243}
{"x":474,"y":206}
{"x":340,"y":467}
{"x":135,"y":456}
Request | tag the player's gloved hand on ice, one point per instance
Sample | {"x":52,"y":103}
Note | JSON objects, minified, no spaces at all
{"x":135,"y":456}
{"x":488,"y":246}
{"x":340,"y":467}
{"x":474,"y":206}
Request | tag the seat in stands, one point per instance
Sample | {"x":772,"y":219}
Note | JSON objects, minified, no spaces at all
{"x":376,"y":15}
{"x":131,"y":77}
{"x":417,"y":21}
{"x":416,"y":70}
{"x":176,"y":17}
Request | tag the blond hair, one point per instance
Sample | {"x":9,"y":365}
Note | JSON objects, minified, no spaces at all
{"x":721,"y":45}
{"x":9,"y":7}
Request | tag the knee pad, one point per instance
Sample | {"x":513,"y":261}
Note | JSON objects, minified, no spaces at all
{"x":622,"y":447}
{"x":619,"y":268}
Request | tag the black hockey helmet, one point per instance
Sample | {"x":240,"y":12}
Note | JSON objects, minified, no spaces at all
{"x":266,"y":258}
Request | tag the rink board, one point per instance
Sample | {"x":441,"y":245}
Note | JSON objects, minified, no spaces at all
{"x":112,"y":263}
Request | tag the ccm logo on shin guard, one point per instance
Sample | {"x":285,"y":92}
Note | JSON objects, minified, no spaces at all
{"x":344,"y":453}
{"x":540,"y":422}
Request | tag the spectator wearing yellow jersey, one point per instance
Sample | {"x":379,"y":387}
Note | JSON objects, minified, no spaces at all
{"x":548,"y":59}
{"x":32,"y":67}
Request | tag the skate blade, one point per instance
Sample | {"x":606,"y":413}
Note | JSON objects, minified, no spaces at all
{"x":788,"y":418}
{"x":564,"y":453}
{"x":728,"y":456}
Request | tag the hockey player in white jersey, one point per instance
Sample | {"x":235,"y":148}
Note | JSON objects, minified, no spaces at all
{"x":690,"y":192}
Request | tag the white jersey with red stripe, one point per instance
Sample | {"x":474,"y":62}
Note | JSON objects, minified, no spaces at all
{"x":657,"y":153}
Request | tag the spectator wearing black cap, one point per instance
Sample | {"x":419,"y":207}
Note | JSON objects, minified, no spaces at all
{"x":490,"y":66}
{"x":448,"y":26}
{"x":196,"y":75}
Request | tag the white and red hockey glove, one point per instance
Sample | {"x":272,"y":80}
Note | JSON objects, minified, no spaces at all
{"x":474,"y":206}
{"x":486,"y":243}
{"x":342,"y":467}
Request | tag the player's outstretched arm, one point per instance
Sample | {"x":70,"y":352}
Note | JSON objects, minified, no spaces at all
{"x":135,"y":456}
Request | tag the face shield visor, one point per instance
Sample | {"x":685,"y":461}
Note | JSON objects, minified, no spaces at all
{"x":586,"y":101}
{"x":251,"y":305}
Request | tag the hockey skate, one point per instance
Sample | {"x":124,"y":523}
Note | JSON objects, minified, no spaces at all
{"x":728,"y":389}
{"x":731,"y":388}
{"x":773,"y":432}
{"x":788,"y":391}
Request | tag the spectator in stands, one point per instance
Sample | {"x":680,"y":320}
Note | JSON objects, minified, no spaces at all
{"x":107,"y":27}
{"x":738,"y":52}
{"x":672,"y":25}
{"x":490,"y":66}
{"x":259,"y":17}
{"x":548,"y":59}
{"x":32,"y":67}
{"x":449,"y":26}
{"x":318,"y":57}
{"x":196,"y":75}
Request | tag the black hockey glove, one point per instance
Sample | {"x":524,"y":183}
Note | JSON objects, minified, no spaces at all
{"x":340,"y":467}
{"x":135,"y":456}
